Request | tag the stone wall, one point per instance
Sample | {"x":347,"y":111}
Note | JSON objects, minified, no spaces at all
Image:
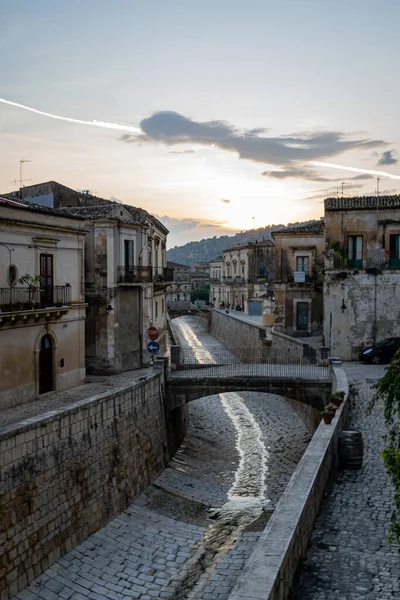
{"x":239,"y":335}
{"x":66,"y":473}
{"x":271,"y":569}
{"x":371,"y":310}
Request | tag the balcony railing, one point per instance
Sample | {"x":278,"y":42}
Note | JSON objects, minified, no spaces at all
{"x":22,"y":298}
{"x":144,"y":274}
{"x":376,"y":258}
{"x":289,"y":277}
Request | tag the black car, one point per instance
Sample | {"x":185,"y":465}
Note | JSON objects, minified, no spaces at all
{"x":381,"y":352}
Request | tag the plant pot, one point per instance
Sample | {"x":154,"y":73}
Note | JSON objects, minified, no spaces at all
{"x":328,"y":418}
{"x":337,"y":401}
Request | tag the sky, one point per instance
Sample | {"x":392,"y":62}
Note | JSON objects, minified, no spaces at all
{"x":223,"y":107}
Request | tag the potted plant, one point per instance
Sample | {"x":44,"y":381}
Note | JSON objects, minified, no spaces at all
{"x":32,"y":282}
{"x":336,"y":399}
{"x":327,"y":415}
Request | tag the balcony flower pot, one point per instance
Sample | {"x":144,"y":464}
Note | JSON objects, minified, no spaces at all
{"x":327,"y":418}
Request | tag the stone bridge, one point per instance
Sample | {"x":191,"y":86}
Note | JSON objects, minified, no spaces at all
{"x":181,"y":389}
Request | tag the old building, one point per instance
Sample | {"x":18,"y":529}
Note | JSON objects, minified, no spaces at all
{"x":245,"y":273}
{"x":299,"y":278}
{"x":362,"y":272}
{"x":42,"y":306}
{"x":179,"y":289}
{"x":125,"y":285}
{"x":125,"y":275}
{"x":200,"y":276}
{"x":216,"y":286}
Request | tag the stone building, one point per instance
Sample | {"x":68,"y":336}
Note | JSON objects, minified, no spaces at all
{"x":42,"y":319}
{"x":125,"y":275}
{"x":199,"y":275}
{"x":126,"y":279}
{"x":179,"y":289}
{"x":299,"y":278}
{"x":362,"y":272}
{"x":243,"y":273}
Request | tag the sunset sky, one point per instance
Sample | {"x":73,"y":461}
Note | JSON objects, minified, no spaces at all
{"x":232,"y":101}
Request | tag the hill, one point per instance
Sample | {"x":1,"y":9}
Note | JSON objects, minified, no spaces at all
{"x":210,"y":248}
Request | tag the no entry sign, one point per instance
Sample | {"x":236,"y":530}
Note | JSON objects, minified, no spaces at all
{"x":152,"y":332}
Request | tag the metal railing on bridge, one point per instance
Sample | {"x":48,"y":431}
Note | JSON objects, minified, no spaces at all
{"x":216,"y":361}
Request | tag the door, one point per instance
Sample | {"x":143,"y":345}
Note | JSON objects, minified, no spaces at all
{"x":355,"y":251}
{"x":45,"y":365}
{"x":46,"y":272}
{"x":394,"y":249}
{"x":302,"y":316}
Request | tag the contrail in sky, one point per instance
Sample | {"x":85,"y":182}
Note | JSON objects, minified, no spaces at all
{"x":355,"y":170}
{"x":93,"y":123}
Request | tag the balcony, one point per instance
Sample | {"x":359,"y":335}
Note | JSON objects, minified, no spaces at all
{"x":290,"y":276}
{"x":377,"y":258}
{"x":233,"y":280}
{"x":144,"y":275}
{"x":14,"y":299}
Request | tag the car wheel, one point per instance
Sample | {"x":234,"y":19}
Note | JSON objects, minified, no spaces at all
{"x":376,"y":360}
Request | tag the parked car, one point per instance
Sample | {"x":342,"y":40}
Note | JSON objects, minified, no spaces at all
{"x":381,"y":352}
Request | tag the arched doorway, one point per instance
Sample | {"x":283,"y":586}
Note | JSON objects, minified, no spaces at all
{"x":45,"y":365}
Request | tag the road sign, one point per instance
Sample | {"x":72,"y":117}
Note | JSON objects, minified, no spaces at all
{"x":153,"y":347}
{"x":152,"y":332}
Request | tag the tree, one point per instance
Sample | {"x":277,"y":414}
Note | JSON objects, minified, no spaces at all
{"x":201,"y":293}
{"x":388,"y":390}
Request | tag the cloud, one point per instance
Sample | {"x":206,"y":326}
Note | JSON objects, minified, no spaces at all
{"x":191,"y":230}
{"x":309,"y":174}
{"x":172,"y":128}
{"x":387,"y":158}
{"x":181,"y":152}
{"x":225,"y":201}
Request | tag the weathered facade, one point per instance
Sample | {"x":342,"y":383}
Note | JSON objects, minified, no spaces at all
{"x":179,"y":289}
{"x":242,"y":274}
{"x":362,"y":272}
{"x":299,"y":278}
{"x":125,"y":285}
{"x":42,"y":319}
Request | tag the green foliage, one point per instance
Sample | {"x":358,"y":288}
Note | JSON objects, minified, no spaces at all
{"x":388,"y":390}
{"x":30,"y":280}
{"x":201,"y":293}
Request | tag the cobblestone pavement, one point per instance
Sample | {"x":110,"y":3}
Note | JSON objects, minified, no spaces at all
{"x":94,"y":385}
{"x":349,"y":557}
{"x":141,"y":553}
{"x":165,"y":545}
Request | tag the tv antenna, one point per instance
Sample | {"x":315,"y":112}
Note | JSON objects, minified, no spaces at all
{"x":377,"y":185}
{"x":21,"y":181}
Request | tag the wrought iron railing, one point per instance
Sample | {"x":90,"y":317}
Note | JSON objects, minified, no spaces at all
{"x":22,"y":298}
{"x":144,"y":274}
{"x":376,"y":258}
{"x":210,"y":361}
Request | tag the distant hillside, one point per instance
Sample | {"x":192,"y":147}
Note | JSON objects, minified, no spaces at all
{"x":206,"y":250}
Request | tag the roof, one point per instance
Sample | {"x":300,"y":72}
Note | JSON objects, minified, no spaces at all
{"x":256,"y":244}
{"x":218,"y":259}
{"x":174,"y":265}
{"x":363,"y":203}
{"x":311,"y":227}
{"x":37,"y":208}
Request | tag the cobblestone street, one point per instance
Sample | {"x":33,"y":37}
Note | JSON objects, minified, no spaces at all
{"x":349,"y":557}
{"x":165,"y":545}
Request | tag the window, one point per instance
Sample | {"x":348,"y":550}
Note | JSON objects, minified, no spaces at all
{"x":261,"y":272}
{"x":128,"y":254}
{"x":156,"y":309}
{"x":243,"y":270}
{"x":12,"y":275}
{"x":355,"y":251}
{"x":303,"y":264}
{"x":46,"y":273}
{"x":163,"y":306}
{"x":394,"y":250}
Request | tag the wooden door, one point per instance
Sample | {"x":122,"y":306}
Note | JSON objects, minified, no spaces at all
{"x":302,"y":316}
{"x":46,"y":272}
{"x":45,"y":365}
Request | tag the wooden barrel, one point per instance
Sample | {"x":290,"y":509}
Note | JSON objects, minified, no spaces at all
{"x":350,"y":449}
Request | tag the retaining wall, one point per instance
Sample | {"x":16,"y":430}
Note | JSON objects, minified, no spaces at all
{"x":236,"y":334}
{"x":67,"y":472}
{"x":271,"y":569}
